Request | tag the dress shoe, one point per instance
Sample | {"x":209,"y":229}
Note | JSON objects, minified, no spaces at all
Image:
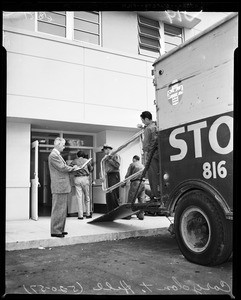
{"x":64,"y":232}
{"x":140,"y":215}
{"x":88,"y":217}
{"x":80,"y":218}
{"x":60,"y":235}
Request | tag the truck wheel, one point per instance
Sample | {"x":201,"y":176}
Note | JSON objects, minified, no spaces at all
{"x":203,"y":234}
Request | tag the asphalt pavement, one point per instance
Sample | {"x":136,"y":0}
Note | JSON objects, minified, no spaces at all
{"x":151,"y":265}
{"x":123,"y":257}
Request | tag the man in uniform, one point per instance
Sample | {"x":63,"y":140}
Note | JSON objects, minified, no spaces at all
{"x":134,"y":167}
{"x":112,"y":168}
{"x":149,"y":141}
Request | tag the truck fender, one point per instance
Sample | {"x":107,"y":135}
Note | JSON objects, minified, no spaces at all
{"x":189,"y":185}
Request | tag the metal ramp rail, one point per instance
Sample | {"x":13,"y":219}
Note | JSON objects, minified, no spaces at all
{"x":127,"y":209}
{"x":102,"y":165}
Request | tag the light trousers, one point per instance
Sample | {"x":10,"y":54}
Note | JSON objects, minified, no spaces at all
{"x":82,"y":194}
{"x":58,"y":213}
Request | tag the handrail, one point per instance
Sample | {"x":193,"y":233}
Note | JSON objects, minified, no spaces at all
{"x":102,"y":165}
{"x":134,"y":137}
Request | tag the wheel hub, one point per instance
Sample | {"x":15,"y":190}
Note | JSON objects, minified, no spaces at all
{"x":196,"y":229}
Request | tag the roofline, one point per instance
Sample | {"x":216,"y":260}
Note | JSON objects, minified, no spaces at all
{"x":197,"y":36}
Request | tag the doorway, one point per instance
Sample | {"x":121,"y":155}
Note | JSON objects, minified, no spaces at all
{"x":44,"y":195}
{"x":42,"y":202}
{"x":44,"y":190}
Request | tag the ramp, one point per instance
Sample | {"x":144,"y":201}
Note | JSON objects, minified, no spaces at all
{"x":120,"y":212}
{"x":125,"y":210}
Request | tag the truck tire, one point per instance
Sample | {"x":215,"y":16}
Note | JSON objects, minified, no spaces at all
{"x":203,"y":234}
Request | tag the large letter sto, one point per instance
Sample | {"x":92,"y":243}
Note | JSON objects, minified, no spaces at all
{"x":178,"y":143}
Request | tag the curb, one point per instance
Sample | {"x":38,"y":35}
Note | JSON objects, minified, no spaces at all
{"x":73,"y":240}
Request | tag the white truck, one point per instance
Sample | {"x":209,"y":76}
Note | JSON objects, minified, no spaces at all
{"x":195,"y":93}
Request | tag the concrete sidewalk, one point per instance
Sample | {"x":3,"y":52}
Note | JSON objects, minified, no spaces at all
{"x":26,"y":234}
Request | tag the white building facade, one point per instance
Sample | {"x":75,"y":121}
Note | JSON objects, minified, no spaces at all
{"x":85,"y":76}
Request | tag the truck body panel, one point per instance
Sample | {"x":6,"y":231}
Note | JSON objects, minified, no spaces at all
{"x":196,"y":80}
{"x":203,"y":161}
{"x":194,"y":100}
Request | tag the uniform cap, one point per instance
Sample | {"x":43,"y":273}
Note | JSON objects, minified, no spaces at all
{"x":105,"y":146}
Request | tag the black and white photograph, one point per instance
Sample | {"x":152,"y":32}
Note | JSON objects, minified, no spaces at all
{"x":119,"y":176}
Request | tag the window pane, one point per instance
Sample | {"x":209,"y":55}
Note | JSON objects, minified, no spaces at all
{"x":150,"y":31}
{"x":150,"y":50}
{"x":148,"y":22}
{"x":50,"y":17}
{"x":87,"y":15}
{"x":172,"y":30}
{"x":44,"y":138}
{"x":173,"y":39}
{"x":52,"y":29}
{"x":78,"y":140}
{"x":86,"y":26}
{"x":60,"y":12}
{"x":150,"y":42}
{"x":86,"y":37}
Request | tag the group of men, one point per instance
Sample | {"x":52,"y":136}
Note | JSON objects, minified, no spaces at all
{"x":60,"y":181}
{"x":137,"y":185}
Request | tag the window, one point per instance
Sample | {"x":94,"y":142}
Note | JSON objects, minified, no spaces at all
{"x":78,"y":25}
{"x":86,"y":26}
{"x":44,"y":138}
{"x":173,"y":37}
{"x":73,"y":140}
{"x":52,"y":22}
{"x":149,"y":36}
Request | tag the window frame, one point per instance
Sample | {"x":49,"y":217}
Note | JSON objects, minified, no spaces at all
{"x":169,"y":43}
{"x":162,"y":40}
{"x":69,"y":28}
{"x":143,"y":51}
{"x":51,"y":34}
{"x":89,"y":32}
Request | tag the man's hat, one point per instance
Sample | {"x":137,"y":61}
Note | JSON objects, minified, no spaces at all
{"x":105,"y":146}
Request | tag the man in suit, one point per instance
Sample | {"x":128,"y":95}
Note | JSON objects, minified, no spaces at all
{"x":60,"y":187}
